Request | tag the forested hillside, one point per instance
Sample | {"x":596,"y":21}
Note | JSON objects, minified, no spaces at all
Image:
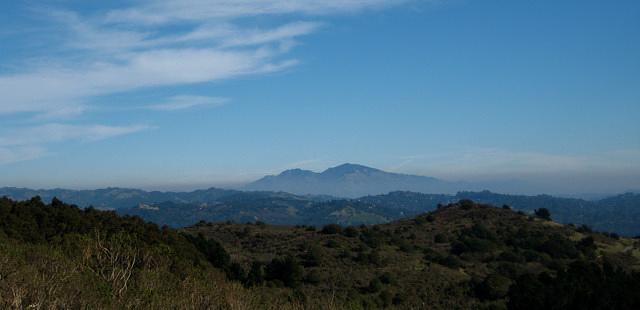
{"x":461,"y":255}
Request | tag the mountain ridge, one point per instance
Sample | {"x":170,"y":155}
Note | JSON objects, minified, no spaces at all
{"x":353,"y":180}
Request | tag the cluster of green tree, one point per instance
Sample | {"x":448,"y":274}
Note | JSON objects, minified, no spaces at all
{"x":281,"y":271}
{"x":581,"y":285}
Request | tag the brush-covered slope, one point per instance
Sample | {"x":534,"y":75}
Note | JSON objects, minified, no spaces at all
{"x":461,"y":256}
{"x":57,"y":256}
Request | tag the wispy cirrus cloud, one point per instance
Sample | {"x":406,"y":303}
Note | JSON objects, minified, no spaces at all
{"x":144,"y":45}
{"x":61,"y":88}
{"x":186,"y":102}
{"x":172,"y":11}
{"x":17,"y":154}
{"x":129,"y":49}
{"x":29,"y":143}
{"x":54,"y":133}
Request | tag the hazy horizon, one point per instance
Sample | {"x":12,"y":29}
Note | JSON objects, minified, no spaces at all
{"x":513,"y":186}
{"x":178,"y":95}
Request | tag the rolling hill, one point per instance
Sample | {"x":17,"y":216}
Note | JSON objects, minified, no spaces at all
{"x":618,"y":214}
{"x":114,"y":198}
{"x":272,"y":208}
{"x":462,"y":255}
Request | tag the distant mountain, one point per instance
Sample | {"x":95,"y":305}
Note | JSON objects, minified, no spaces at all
{"x":114,"y":198}
{"x":179,"y":209}
{"x":351,"y":180}
{"x":619,"y":214}
{"x":268,"y":209}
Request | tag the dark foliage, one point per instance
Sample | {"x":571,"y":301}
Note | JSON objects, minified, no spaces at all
{"x":331,"y":229}
{"x":213,"y":251}
{"x":286,"y":270}
{"x":584,"y":285}
{"x":543,"y":213}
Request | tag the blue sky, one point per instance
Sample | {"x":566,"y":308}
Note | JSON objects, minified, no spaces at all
{"x":185,"y":94}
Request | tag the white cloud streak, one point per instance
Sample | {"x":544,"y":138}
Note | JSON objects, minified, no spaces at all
{"x":187,"y":102}
{"x":54,"y":133}
{"x":172,"y":11}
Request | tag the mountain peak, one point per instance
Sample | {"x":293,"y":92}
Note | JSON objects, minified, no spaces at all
{"x":295,"y":172}
{"x":350,"y":180}
{"x":348,"y":168}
